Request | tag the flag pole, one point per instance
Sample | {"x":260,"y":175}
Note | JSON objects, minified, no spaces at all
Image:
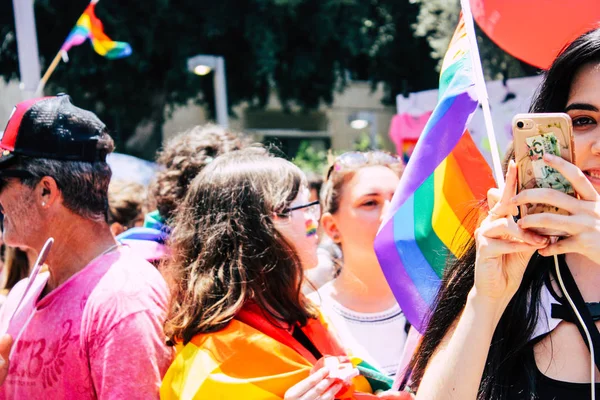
{"x":482,"y":94}
{"x":60,"y":55}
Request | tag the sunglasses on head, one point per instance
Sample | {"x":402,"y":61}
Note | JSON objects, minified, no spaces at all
{"x":353,"y":159}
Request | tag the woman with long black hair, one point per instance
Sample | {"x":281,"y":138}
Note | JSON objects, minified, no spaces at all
{"x":483,"y":340}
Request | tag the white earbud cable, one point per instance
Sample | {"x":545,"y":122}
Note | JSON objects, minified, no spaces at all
{"x":585,"y":329}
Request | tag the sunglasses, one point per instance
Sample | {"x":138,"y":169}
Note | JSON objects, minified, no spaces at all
{"x":353,"y":159}
{"x":13,"y":173}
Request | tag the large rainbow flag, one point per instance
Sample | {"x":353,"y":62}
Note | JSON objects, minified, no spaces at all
{"x":88,"y":26}
{"x":429,"y":219}
{"x":252,"y":359}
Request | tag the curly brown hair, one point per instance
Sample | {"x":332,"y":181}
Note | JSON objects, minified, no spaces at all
{"x":184,"y":157}
{"x":226,"y":250}
{"x":126,"y":201}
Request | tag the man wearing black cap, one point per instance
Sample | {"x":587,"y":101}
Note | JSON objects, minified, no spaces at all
{"x":90,"y":327}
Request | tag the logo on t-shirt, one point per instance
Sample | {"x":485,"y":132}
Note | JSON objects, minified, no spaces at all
{"x":408,"y":146}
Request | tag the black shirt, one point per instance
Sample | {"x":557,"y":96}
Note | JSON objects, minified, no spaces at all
{"x":546,"y":388}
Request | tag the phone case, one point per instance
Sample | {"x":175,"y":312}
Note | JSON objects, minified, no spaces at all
{"x":535,"y":135}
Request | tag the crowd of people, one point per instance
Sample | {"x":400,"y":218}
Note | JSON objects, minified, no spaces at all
{"x":201,"y":285}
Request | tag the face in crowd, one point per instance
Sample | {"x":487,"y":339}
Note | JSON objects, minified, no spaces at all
{"x":583,"y":106}
{"x":299,"y":228}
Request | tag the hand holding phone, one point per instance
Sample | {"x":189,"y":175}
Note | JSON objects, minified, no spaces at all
{"x":535,"y":135}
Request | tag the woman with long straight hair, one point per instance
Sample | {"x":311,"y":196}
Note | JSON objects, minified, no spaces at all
{"x":242,"y":326}
{"x":494,"y":332}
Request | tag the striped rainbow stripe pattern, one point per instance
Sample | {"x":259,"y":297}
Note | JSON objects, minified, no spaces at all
{"x":429,"y":220}
{"x":88,"y":26}
{"x":311,"y":227}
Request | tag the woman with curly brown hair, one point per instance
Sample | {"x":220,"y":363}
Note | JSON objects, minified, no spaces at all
{"x":183,"y":158}
{"x":243,"y":328}
{"x":179,"y":162}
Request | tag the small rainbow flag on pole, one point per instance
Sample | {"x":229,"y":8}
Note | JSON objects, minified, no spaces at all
{"x":88,"y":26}
{"x":446,"y":177}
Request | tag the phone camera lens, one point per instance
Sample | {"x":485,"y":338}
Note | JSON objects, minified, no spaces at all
{"x":520,"y":124}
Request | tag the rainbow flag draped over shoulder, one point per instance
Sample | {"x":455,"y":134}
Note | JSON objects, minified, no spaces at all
{"x":88,"y":26}
{"x":252,"y":359}
{"x":446,"y":177}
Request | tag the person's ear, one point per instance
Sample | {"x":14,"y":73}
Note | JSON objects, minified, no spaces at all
{"x":116,"y":228}
{"x":330,"y":227}
{"x":47,"y":192}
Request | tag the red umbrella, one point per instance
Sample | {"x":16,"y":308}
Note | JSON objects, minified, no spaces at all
{"x":535,"y":31}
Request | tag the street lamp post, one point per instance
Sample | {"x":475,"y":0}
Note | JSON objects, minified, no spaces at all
{"x":203,"y":65}
{"x":27,"y":46}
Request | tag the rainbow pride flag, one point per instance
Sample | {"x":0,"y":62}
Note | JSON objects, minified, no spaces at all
{"x":429,"y":219}
{"x":252,"y":359}
{"x":88,"y":26}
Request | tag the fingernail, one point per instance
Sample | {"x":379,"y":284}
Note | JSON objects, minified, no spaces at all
{"x":513,"y":200}
{"x":548,"y":157}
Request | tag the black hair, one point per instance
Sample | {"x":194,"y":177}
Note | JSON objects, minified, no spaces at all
{"x":507,"y":362}
{"x":83,"y":185}
{"x":554,"y":90}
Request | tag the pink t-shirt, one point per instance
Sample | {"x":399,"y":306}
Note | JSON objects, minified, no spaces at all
{"x":97,"y":336}
{"x":405,"y":130}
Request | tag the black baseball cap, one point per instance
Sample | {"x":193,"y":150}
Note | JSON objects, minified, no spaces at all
{"x":52,"y":127}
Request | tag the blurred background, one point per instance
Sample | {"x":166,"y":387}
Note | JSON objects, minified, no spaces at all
{"x":306,"y":75}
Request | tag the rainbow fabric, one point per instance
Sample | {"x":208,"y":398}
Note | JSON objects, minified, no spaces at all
{"x":251,"y":359}
{"x":311,"y":227}
{"x":88,"y":26}
{"x":446,"y":177}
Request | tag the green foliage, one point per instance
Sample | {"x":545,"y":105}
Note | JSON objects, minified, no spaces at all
{"x":363,"y":142}
{"x":305,"y":50}
{"x":310,"y":160}
{"x":437,"y":21}
{"x":397,"y":57}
